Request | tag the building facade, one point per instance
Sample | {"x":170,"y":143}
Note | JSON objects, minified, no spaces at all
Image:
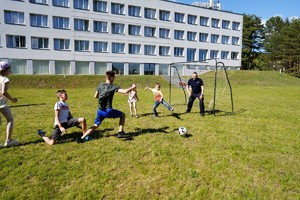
{"x":131,"y":37}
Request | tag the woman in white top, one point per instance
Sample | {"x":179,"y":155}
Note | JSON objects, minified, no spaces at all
{"x":4,"y":108}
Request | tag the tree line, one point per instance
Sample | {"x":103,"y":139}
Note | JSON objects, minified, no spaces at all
{"x":274,"y":45}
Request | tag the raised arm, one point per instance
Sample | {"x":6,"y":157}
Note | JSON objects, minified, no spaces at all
{"x":125,"y":91}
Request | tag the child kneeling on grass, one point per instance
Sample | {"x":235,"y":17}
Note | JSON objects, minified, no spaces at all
{"x":105,"y":93}
{"x":63,"y":119}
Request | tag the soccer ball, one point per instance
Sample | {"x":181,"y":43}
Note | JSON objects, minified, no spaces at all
{"x":182,"y":131}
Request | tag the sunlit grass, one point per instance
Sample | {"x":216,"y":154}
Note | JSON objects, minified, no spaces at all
{"x":253,"y":154}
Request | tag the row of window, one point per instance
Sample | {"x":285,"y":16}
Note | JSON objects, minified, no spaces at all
{"x":82,"y":67}
{"x":16,"y":41}
{"x":149,"y":13}
{"x":37,"y":20}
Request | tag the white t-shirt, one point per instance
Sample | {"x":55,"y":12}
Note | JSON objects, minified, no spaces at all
{"x":63,"y":112}
{"x":3,"y":100}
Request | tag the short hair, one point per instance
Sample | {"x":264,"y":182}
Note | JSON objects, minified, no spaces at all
{"x":110,"y":74}
{"x":60,"y":92}
{"x":195,"y":73}
{"x":158,"y":84}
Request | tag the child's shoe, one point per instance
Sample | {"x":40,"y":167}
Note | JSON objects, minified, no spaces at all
{"x":11,"y":143}
{"x":137,"y":116}
{"x":88,"y":138}
{"x":41,"y":133}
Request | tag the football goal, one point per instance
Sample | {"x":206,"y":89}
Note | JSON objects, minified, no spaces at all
{"x":218,"y":98}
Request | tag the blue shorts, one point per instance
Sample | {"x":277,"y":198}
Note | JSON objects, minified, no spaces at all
{"x":107,"y":113}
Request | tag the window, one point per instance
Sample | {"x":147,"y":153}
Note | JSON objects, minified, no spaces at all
{"x":40,"y":66}
{"x":39,"y":43}
{"x":178,"y":51}
{"x":19,"y":66}
{"x":37,"y":20}
{"x":179,"y":17}
{"x":191,"y":53}
{"x":81,"y":67}
{"x":235,"y":41}
{"x":81,"y":25}
{"x":15,"y":41}
{"x":214,"y":53}
{"x":118,"y":68}
{"x":62,"y":67}
{"x":61,"y":22}
{"x":134,"y":30}
{"x":117,"y":28}
{"x":149,"y":68}
{"x":202,"y":54}
{"x":214,"y":38}
{"x":100,"y":27}
{"x":203,"y":21}
{"x":178,"y":35}
{"x":39,"y":1}
{"x":225,"y":24}
{"x":225,"y":39}
{"x":163,"y":69}
{"x":118,"y":47}
{"x":81,"y":4}
{"x":164,"y":15}
{"x":164,"y":51}
{"x":100,"y":6}
{"x":149,"y":50}
{"x":235,"y":26}
{"x":100,"y":46}
{"x":149,"y":31}
{"x":164,"y":33}
{"x":224,"y":54}
{"x":215,"y":23}
{"x":134,"y":11}
{"x":12,"y":17}
{"x":117,"y":8}
{"x":150,"y":13}
{"x":234,"y":55}
{"x":134,"y":68}
{"x":61,"y":3}
{"x":82,"y":45}
{"x":134,"y":49}
{"x":191,"y":36}
{"x":100,"y":67}
{"x":61,"y":44}
{"x":192,"y":19}
{"x":203,"y":37}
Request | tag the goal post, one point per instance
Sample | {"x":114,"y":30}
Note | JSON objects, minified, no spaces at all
{"x":218,"y":90}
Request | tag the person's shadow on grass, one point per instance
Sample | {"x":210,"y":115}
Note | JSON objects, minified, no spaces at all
{"x":139,"y":131}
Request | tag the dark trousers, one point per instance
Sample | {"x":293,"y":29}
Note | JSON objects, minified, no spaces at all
{"x":191,"y":101}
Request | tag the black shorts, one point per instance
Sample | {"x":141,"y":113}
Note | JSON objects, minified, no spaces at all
{"x":70,"y":123}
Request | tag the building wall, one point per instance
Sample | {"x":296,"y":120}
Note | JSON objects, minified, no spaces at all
{"x":85,"y":61}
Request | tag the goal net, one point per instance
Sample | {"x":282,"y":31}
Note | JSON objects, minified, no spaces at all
{"x":218,"y":98}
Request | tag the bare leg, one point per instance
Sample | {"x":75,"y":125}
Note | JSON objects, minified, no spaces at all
{"x":134,"y":107}
{"x":48,"y":140}
{"x":82,"y":121}
{"x":91,"y":129}
{"x":130,"y":108}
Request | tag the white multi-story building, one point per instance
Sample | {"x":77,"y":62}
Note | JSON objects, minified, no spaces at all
{"x":129,"y":36}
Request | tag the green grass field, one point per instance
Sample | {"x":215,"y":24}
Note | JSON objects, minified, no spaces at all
{"x":253,"y":154}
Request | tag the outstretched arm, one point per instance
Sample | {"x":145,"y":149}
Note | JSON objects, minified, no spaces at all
{"x":96,"y":95}
{"x":125,"y":91}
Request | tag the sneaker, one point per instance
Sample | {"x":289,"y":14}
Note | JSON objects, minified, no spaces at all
{"x":137,"y":116}
{"x":130,"y":115}
{"x":202,"y":114}
{"x":155,"y":116}
{"x":122,"y":134}
{"x":172,"y":109}
{"x":11,"y":143}
{"x":88,"y":138}
{"x":41,"y":132}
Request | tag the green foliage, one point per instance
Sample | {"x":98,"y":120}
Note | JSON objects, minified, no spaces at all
{"x":253,"y":154}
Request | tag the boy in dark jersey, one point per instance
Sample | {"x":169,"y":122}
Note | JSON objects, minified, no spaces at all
{"x":105,"y":93}
{"x":195,"y":89}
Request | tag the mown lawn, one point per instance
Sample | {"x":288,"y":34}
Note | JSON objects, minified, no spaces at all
{"x":253,"y":154}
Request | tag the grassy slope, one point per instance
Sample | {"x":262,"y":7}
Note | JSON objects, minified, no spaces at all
{"x":253,"y":154}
